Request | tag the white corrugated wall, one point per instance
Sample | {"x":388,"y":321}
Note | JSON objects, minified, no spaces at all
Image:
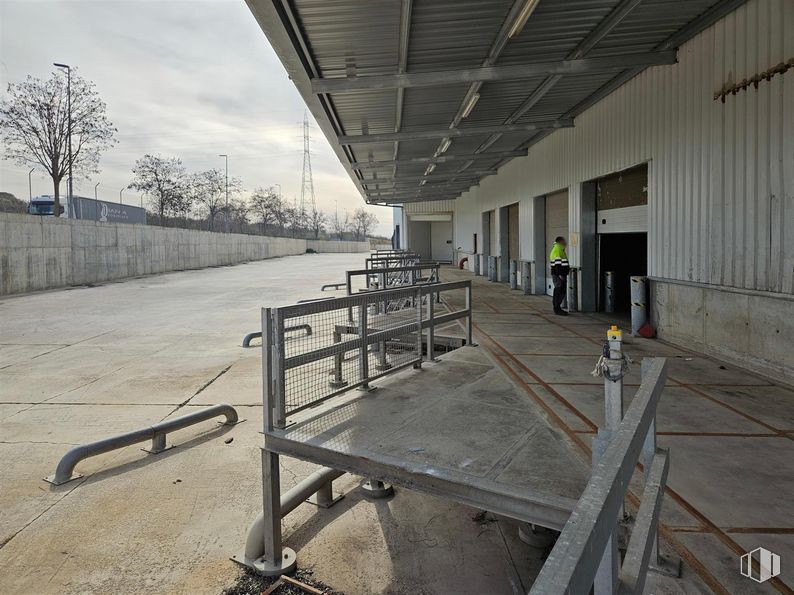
{"x":430,"y":207}
{"x":721,"y":175}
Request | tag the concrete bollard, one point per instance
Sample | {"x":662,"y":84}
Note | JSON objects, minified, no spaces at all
{"x":609,"y":291}
{"x":513,"y":274}
{"x":492,"y":268}
{"x":573,"y":291}
{"x":639,"y":310}
{"x":526,"y":279}
{"x":477,"y":258}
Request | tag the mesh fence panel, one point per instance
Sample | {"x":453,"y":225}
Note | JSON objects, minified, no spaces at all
{"x":320,"y":345}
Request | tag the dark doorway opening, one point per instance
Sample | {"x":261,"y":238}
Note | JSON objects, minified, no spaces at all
{"x":626,"y":255}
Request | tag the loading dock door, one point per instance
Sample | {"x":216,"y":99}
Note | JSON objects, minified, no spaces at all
{"x":556,"y":225}
{"x":441,"y":241}
{"x":622,"y":228}
{"x":512,"y":232}
{"x":494,"y":240}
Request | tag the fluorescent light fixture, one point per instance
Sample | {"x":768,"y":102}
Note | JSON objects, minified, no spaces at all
{"x":430,"y":169}
{"x":522,"y":18}
{"x":470,"y":105}
{"x":445,"y":145}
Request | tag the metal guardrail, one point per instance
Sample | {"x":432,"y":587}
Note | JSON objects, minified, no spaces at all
{"x":391,"y":261}
{"x":332,"y":286}
{"x":390,"y":278}
{"x":291,"y":329}
{"x":156,"y":433}
{"x":355,"y":340}
{"x":585,"y":555}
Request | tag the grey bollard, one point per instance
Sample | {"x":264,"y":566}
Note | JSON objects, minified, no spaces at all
{"x":513,"y":274}
{"x":639,"y":310}
{"x":492,"y":268}
{"x":476,"y":258}
{"x":526,"y":283}
{"x":573,"y":291}
{"x":609,"y":291}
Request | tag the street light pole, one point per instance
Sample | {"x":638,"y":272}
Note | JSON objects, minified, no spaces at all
{"x":95,"y":187}
{"x":30,"y":186}
{"x":226,"y":157}
{"x":120,"y":191}
{"x":69,"y":131}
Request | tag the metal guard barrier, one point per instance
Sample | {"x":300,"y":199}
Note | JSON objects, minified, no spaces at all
{"x":387,"y":278}
{"x":332,"y":286}
{"x":157,"y":433}
{"x":585,"y":555}
{"x":293,"y":390}
{"x":290,"y":329}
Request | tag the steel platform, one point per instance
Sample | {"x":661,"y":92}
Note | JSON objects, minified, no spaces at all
{"x":456,"y":428}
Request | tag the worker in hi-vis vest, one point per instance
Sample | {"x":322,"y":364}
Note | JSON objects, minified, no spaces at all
{"x":558,"y":260}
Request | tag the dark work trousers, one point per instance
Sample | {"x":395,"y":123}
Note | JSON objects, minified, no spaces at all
{"x":560,"y":287}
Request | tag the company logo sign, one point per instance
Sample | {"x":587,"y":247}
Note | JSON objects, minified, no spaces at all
{"x":760,"y":565}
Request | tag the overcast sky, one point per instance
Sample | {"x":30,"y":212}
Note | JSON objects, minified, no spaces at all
{"x":182,"y":78}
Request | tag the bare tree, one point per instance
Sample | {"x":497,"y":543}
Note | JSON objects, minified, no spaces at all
{"x":238,"y":214}
{"x":34,"y":127}
{"x":340,"y":225}
{"x":363,"y":222}
{"x":266,"y":205}
{"x":164,"y":181}
{"x":317,"y":221}
{"x":209,"y":191}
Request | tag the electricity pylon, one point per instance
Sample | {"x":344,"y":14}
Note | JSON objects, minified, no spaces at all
{"x":307,"y":183}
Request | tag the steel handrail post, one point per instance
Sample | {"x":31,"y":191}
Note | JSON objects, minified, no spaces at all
{"x":267,"y":369}
{"x":431,"y":331}
{"x":417,"y":304}
{"x":469,"y":340}
{"x":363,"y":365}
{"x":280,"y":404}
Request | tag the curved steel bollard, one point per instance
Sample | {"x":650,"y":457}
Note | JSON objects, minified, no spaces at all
{"x":258,"y":335}
{"x":255,"y":539}
{"x":157,"y":432}
{"x":247,"y":339}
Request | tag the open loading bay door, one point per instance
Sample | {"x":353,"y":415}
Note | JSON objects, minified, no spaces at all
{"x":622,"y":228}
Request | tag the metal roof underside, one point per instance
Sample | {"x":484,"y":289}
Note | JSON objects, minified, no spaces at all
{"x":421,"y":99}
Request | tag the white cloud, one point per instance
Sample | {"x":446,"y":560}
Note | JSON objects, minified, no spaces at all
{"x":186,"y":78}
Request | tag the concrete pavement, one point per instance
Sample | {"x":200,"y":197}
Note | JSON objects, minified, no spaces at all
{"x":82,"y":364}
{"x":729,"y":432}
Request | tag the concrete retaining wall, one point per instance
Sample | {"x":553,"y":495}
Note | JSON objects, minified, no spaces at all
{"x":44,"y":253}
{"x":750,"y":328}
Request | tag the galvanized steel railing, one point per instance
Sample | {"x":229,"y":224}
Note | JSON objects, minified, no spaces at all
{"x":354,"y":340}
{"x":585,"y":556}
{"x":391,"y":278}
{"x":402,"y":259}
{"x":156,"y":433}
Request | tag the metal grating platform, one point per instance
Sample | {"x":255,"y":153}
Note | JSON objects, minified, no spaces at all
{"x":457,"y":429}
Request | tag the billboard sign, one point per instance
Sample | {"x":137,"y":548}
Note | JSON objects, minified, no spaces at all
{"x":105,"y":212}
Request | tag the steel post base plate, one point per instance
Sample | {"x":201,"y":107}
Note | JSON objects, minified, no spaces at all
{"x":537,"y":537}
{"x":324,"y":504}
{"x":51,"y":479}
{"x":151,"y":451}
{"x":286,"y":565}
{"x":377,"y":489}
{"x":337,"y":383}
{"x":666,"y":565}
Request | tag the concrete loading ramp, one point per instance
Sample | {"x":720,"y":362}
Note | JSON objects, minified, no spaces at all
{"x":456,"y":429}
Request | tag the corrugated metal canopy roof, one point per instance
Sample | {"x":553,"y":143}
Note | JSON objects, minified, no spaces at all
{"x":413,"y":67}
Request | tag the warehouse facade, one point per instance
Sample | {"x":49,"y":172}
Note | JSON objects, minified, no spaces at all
{"x":684,"y":173}
{"x":658,"y":137}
